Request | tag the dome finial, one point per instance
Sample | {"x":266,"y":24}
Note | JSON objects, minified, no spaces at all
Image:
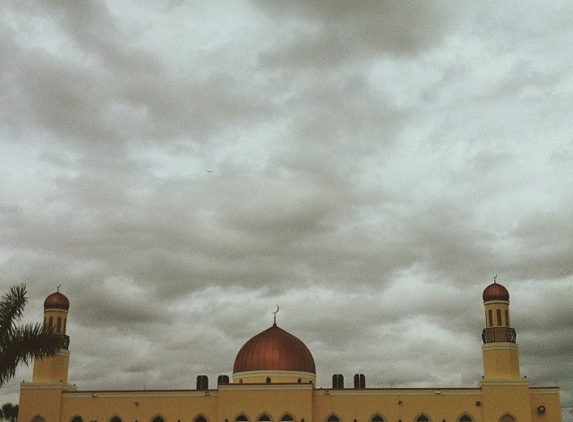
{"x":58,"y":288}
{"x":494,"y":279}
{"x":275,"y":316}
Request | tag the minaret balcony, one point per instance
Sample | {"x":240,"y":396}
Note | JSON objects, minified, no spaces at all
{"x":498,"y":334}
{"x":62,"y":341}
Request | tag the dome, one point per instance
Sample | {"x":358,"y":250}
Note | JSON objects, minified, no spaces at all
{"x":274,"y":349}
{"x":495,"y":291}
{"x":57,"y":301}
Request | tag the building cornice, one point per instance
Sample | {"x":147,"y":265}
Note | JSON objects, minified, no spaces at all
{"x":48,"y":386}
{"x":504,"y":381}
{"x":266,"y":387}
{"x":396,"y":391}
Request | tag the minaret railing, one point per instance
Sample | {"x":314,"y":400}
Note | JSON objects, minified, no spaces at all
{"x":498,"y":334}
{"x":62,"y":341}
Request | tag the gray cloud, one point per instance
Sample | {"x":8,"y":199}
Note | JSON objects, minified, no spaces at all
{"x":333,"y":32}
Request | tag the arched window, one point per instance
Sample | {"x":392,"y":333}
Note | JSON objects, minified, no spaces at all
{"x":38,"y":418}
{"x":264,"y":418}
{"x":77,"y":419}
{"x":51,"y":322}
{"x":359,"y":381}
{"x":287,"y":418}
{"x":499,"y":317}
{"x":333,"y":418}
{"x":377,"y":418}
{"x":465,"y":418}
{"x":59,"y":325}
{"x":490,"y":317}
{"x":423,"y":418}
{"x":337,"y":381}
{"x":268,"y":380}
{"x":242,"y":418}
{"x":157,"y":419}
{"x":202,"y":382}
{"x":200,"y":418}
{"x":507,"y":418}
{"x":115,"y":419}
{"x":507,"y":318}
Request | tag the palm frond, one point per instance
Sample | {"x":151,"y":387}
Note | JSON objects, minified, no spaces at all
{"x":11,"y":308}
{"x":27,"y":343}
{"x":21,"y":344}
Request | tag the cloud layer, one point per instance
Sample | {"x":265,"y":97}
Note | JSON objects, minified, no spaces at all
{"x":180,"y":168}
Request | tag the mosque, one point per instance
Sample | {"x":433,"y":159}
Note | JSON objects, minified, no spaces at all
{"x":274,"y":380}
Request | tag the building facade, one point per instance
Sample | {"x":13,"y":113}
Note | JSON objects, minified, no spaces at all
{"x":274,"y":380}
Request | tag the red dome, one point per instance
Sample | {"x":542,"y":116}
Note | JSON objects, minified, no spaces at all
{"x":57,"y":301}
{"x":495,"y":291}
{"x":274,"y":349}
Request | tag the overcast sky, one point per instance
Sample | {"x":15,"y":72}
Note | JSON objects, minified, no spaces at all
{"x":182,"y":167}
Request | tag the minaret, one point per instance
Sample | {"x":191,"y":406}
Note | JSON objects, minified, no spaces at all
{"x":54,"y":369}
{"x":500,"y":351}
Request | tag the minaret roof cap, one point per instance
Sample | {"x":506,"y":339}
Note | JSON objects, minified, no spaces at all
{"x":495,"y":291}
{"x":57,"y":300}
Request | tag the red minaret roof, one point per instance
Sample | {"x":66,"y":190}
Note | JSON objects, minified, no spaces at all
{"x":495,"y":291}
{"x":57,"y":301}
{"x":274,"y":349}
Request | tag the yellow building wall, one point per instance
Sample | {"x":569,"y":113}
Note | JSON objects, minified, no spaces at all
{"x":549,"y":398}
{"x":44,"y":401}
{"x":397,"y":404}
{"x":487,"y":404}
{"x":499,"y":399}
{"x":139,"y":405}
{"x":276,"y":400}
{"x":53,"y":368}
{"x":501,"y":360}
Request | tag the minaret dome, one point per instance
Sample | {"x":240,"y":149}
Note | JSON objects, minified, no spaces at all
{"x":57,"y":300}
{"x":495,"y":291}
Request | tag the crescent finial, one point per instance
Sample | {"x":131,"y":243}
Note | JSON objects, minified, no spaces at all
{"x":275,"y":315}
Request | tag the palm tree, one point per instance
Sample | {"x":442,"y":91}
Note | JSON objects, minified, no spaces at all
{"x":20,"y":343}
{"x":9,"y":412}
